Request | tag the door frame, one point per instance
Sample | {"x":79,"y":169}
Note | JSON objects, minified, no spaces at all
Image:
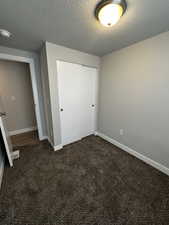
{"x":31,"y":63}
{"x":96,"y":96}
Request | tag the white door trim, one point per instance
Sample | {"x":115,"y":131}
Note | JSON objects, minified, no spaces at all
{"x":6,"y":142}
{"x":1,"y":170}
{"x":31,"y":63}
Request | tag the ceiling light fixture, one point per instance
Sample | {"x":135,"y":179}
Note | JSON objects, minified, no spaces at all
{"x":108,"y":12}
{"x":5,"y":33}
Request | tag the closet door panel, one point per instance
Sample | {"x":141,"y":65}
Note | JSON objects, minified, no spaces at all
{"x":76,"y":84}
{"x":89,"y":103}
{"x":69,"y":81}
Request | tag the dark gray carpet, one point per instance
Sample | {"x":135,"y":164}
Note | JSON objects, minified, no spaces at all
{"x":90,"y":182}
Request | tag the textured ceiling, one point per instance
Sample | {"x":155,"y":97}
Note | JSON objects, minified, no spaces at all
{"x":71,"y":23}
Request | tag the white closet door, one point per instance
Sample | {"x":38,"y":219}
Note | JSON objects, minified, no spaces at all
{"x":76,"y":87}
{"x":89,"y":88}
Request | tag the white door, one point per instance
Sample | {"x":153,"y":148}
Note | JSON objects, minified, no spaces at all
{"x":5,"y":134}
{"x":76,"y":84}
{"x":89,"y":88}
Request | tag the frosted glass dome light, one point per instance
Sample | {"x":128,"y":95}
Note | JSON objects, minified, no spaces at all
{"x":109,"y":12}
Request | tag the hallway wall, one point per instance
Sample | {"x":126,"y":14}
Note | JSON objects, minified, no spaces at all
{"x":1,"y":159}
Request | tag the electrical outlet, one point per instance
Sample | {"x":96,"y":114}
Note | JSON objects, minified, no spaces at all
{"x":13,"y":98}
{"x":121,"y":132}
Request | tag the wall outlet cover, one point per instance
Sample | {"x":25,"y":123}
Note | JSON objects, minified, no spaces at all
{"x":13,"y":98}
{"x":121,"y":132}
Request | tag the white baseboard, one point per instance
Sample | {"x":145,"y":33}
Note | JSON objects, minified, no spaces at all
{"x":46,"y":138}
{"x":1,"y":171}
{"x":96,"y":133}
{"x":43,"y":138}
{"x":147,"y":160}
{"x":50,"y":142}
{"x":15,"y":132}
{"x":15,"y":155}
{"x":58,"y":147}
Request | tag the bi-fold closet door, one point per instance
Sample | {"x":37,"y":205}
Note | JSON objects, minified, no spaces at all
{"x":77,"y":85}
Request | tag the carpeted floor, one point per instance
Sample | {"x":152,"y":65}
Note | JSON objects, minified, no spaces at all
{"x":90,"y":182}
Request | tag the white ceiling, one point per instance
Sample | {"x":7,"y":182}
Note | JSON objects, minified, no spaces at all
{"x":72,"y":23}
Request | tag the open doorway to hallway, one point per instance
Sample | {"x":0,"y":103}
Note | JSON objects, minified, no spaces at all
{"x":17,"y":96}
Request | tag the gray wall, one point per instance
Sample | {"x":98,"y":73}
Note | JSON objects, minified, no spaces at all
{"x":134,"y":96}
{"x":57,"y":52}
{"x":46,"y":94}
{"x":35,"y":56}
{"x":17,"y":95}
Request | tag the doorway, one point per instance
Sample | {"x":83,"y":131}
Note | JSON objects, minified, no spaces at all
{"x":18,"y":101}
